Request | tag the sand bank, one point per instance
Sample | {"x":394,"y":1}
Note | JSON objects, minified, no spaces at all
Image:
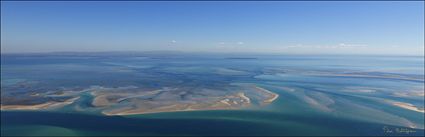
{"x":408,"y":106}
{"x":270,"y":95}
{"x":46,"y":105}
{"x":174,"y":100}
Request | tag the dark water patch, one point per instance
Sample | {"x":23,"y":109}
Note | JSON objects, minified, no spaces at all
{"x":102,"y":125}
{"x":117,"y":124}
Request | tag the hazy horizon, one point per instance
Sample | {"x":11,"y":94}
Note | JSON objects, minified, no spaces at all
{"x":173,"y":52}
{"x":347,"y":28}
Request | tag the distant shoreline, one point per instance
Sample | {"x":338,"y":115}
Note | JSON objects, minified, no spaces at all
{"x":240,"y":58}
{"x":231,"y":55}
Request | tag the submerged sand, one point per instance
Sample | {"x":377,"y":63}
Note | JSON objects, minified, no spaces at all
{"x":136,"y":100}
{"x":225,"y":103}
{"x":179,"y":99}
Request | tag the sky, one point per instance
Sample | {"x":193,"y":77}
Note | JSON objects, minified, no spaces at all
{"x":381,"y":28}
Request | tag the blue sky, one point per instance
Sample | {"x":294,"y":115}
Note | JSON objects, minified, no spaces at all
{"x":265,"y":27}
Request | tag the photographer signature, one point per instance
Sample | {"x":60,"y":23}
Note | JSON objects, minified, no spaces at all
{"x":397,"y":130}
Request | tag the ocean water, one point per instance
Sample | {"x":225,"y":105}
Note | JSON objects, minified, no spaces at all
{"x":318,"y":95}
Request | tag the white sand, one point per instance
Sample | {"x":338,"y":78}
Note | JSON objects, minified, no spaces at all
{"x":408,"y":106}
{"x":38,"y":106}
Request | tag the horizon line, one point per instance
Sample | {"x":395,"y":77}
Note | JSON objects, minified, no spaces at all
{"x":210,"y":52}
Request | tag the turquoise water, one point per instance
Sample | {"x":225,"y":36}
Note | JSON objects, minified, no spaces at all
{"x":318,"y":95}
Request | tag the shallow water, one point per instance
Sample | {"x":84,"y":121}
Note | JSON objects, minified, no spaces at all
{"x":314,"y":97}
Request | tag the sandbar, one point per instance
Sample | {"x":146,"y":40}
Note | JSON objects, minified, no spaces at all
{"x":46,"y":105}
{"x":409,"y":106}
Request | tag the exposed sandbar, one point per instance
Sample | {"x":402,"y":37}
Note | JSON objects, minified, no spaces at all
{"x":179,"y":99}
{"x":47,"y":105}
{"x":270,"y":95}
{"x":408,"y":106}
{"x":234,"y":101}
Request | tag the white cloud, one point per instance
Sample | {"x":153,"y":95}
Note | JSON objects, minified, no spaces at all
{"x":336,"y":46}
{"x":352,"y":45}
{"x":231,"y":43}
